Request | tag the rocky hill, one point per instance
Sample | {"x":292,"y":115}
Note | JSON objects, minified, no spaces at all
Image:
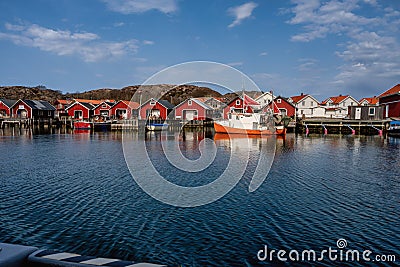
{"x":34,"y":93}
{"x":172,"y":93}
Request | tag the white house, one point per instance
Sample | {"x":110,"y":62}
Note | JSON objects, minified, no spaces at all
{"x":265,"y":98}
{"x":367,"y":101}
{"x":307,"y":106}
{"x":338,"y":106}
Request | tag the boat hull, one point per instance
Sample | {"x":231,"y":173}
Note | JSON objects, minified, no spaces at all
{"x":230,"y":130}
{"x":156,"y":127}
{"x":280,"y":131}
{"x":394,"y":133}
{"x":82,"y":125}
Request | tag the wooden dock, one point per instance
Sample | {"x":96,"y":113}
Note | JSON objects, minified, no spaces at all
{"x":342,"y":126}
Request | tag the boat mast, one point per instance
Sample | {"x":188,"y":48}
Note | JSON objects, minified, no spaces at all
{"x":243,"y":95}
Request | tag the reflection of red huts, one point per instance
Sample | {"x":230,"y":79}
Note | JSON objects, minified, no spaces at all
{"x":193,"y":109}
{"x":155,"y":109}
{"x":5,"y":106}
{"x":80,"y":110}
{"x":124,"y":109}
{"x":241,"y":104}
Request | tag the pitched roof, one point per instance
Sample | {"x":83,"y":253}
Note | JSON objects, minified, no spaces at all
{"x":335,"y":99}
{"x":298,"y":98}
{"x":8,"y":102}
{"x":110,"y":104}
{"x":92,"y":101}
{"x":199,"y":102}
{"x":39,"y":104}
{"x":166,"y":104}
{"x":392,"y":91}
{"x":64,"y":101}
{"x":131,"y":104}
{"x":370,"y":100}
{"x":84,"y":104}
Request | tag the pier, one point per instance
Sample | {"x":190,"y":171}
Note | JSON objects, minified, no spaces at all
{"x":342,"y":126}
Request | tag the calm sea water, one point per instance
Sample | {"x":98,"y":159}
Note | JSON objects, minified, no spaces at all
{"x":74,"y":192}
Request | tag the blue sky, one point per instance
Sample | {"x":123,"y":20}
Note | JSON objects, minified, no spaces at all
{"x":320,"y":47}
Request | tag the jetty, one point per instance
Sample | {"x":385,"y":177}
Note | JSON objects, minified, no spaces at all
{"x":342,"y":126}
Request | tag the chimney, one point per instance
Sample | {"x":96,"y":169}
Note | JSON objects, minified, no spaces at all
{"x":340,"y":95}
{"x":302,"y":94}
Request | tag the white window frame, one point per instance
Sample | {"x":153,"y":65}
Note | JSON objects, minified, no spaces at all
{"x":189,"y":102}
{"x":279,"y":101}
{"x":369,"y":111}
{"x":237,"y":102}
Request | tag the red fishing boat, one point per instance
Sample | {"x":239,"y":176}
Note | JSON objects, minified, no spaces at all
{"x":82,"y":125}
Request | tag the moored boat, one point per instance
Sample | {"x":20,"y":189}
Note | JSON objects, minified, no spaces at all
{"x":157,"y":126}
{"x":82,"y":125}
{"x":245,"y":123}
{"x":394,"y":129}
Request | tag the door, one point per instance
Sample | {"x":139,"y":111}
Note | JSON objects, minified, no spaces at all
{"x":357,"y":116}
{"x":78,"y":114}
{"x":189,"y":114}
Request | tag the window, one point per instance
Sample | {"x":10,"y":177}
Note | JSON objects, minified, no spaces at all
{"x":303,"y":103}
{"x":49,"y":113}
{"x":104,"y":106}
{"x":351,"y":103}
{"x":237,"y":102}
{"x":189,"y":102}
{"x":195,"y":112}
{"x":344,"y":104}
{"x":371,"y":111}
{"x":152,"y":103}
{"x":279,"y":101}
{"x":301,"y":112}
{"x":311,"y":103}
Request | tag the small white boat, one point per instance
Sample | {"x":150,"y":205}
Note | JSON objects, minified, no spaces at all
{"x":157,"y":126}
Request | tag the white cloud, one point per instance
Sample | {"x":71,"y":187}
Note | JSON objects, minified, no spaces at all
{"x":63,"y":42}
{"x":263,"y":54}
{"x":118,"y":24}
{"x":241,"y":12}
{"x":140,"y":6}
{"x":148,"y":42}
{"x":371,"y":54}
{"x":307,"y":64}
{"x":332,"y":17}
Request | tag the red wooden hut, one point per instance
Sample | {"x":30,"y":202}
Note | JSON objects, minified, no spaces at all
{"x":193,"y":109}
{"x":5,"y":106}
{"x":282,"y":106}
{"x":241,"y":104}
{"x":124,"y":109}
{"x":390,"y":100}
{"x":155,"y":109}
{"x":80,"y":110}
